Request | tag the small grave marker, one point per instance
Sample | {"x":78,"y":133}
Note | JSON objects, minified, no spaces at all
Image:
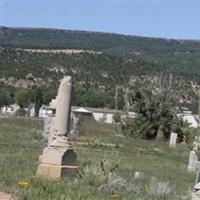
{"x":198,"y":172}
{"x":192,"y":161}
{"x":173,"y":138}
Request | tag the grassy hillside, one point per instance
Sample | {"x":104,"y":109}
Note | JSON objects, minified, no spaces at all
{"x":22,"y":143}
{"x":110,"y":60}
{"x":177,"y":55}
{"x":173,"y":52}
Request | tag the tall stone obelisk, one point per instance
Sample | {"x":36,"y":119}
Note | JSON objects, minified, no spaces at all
{"x":58,"y":159}
{"x":63,"y":107}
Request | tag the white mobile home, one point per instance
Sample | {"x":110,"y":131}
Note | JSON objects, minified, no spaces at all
{"x":97,"y":114}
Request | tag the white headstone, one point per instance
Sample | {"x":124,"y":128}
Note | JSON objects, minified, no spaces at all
{"x":138,"y":174}
{"x":192,"y":161}
{"x":173,"y":138}
{"x":196,"y":191}
{"x":197,"y":181}
{"x":49,"y":128}
{"x":197,"y":164}
{"x":32,"y":111}
{"x":76,"y":125}
{"x":47,"y":124}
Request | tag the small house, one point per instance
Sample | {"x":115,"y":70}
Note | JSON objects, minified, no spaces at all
{"x":103,"y":115}
{"x":10,"y":109}
{"x":82,"y":114}
{"x":96,"y":114}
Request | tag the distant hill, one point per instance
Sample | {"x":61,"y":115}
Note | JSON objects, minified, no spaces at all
{"x":182,"y":56}
{"x":36,"y":56}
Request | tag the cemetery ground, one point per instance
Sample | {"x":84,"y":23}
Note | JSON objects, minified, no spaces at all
{"x":107,"y":159}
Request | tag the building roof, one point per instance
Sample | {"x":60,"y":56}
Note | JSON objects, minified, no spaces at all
{"x":82,"y":110}
{"x":96,"y":110}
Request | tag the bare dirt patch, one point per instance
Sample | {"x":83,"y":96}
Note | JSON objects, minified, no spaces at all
{"x":66,"y":51}
{"x":4,"y":196}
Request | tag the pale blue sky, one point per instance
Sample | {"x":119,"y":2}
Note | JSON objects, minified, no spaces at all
{"x":171,"y":19}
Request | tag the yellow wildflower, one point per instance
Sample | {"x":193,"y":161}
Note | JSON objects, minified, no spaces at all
{"x":23,"y":184}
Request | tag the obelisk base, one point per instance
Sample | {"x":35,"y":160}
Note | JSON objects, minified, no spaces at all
{"x":56,"y":171}
{"x":57,"y":160}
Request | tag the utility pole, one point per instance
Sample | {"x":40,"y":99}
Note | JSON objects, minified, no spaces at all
{"x":127,"y":100}
{"x":199,"y":106}
{"x":116,"y":97}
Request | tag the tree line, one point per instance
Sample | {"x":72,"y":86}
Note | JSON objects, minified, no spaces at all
{"x":43,"y":95}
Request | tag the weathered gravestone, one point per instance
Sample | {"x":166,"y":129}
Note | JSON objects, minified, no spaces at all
{"x":196,"y":191}
{"x":160,"y":134}
{"x":47,"y":125}
{"x":58,"y":159}
{"x":49,"y":128}
{"x":173,"y":138}
{"x":76,"y":125}
{"x":184,"y":141}
{"x":32,"y":110}
{"x":192,"y":161}
{"x":197,"y":181}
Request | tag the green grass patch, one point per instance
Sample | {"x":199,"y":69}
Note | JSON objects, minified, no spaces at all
{"x":21,"y":143}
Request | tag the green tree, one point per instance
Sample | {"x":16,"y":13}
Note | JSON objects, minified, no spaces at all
{"x":22,"y":98}
{"x":155,"y":112}
{"x":117,"y":117}
{"x":5,"y":98}
{"x":199,"y":106}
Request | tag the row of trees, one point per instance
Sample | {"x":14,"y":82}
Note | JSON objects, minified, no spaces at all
{"x":95,"y":98}
{"x":43,"y":95}
{"x":23,"y":98}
